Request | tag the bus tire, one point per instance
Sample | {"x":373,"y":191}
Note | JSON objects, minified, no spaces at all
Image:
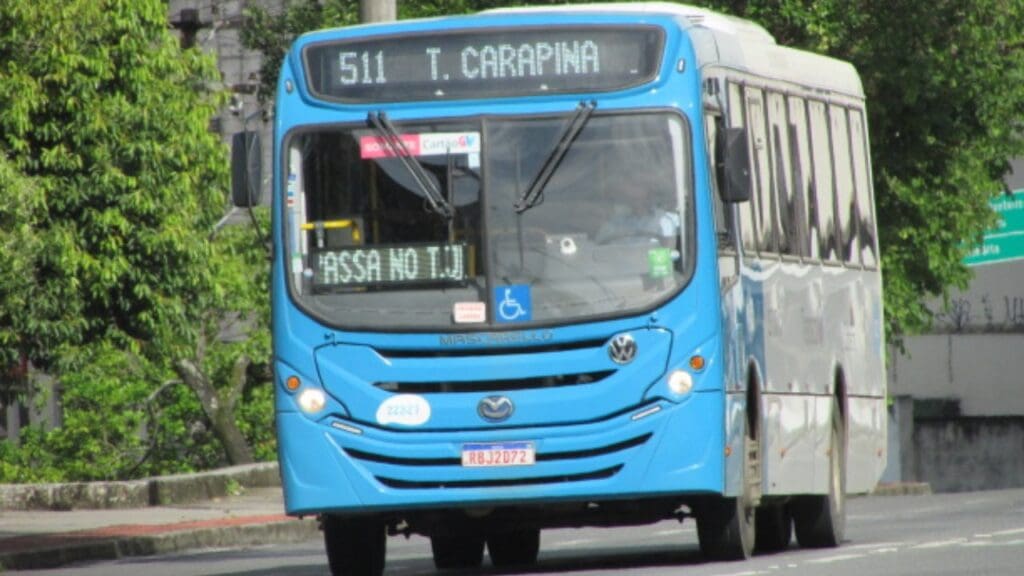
{"x":820,"y":520}
{"x":454,"y":552}
{"x":355,"y":546}
{"x":726,"y":526}
{"x":516,"y":548}
{"x":774,"y":528}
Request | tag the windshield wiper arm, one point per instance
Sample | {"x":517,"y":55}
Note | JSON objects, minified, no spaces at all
{"x":393,"y":143}
{"x":535,"y":191}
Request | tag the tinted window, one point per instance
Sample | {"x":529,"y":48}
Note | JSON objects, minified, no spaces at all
{"x":862,"y":182}
{"x":746,"y":210}
{"x":764,"y":221}
{"x":805,"y":218}
{"x":822,"y":160}
{"x":845,"y":197}
{"x":786,"y":199}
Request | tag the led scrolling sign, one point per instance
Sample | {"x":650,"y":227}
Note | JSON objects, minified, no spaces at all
{"x":484,"y":63}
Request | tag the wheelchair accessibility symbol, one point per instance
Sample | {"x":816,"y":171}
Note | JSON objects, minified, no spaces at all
{"x":512,"y":303}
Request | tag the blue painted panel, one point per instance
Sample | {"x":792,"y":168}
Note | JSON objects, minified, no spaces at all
{"x":683,"y":453}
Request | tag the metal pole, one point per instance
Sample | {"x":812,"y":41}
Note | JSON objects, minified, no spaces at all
{"x":377,"y":10}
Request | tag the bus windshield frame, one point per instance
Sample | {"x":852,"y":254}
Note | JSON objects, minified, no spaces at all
{"x":443,"y":276}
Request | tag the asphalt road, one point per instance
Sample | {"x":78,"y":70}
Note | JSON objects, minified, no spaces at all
{"x":980,"y":533}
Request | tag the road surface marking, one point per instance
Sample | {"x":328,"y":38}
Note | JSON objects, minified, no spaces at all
{"x":940,"y":543}
{"x":874,"y":545}
{"x":838,"y":558}
{"x":571,"y":543}
{"x":1009,"y":532}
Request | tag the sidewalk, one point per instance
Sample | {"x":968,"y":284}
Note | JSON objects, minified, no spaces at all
{"x":35,"y":539}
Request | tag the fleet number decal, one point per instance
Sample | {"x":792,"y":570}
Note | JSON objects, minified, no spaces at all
{"x":405,"y":409}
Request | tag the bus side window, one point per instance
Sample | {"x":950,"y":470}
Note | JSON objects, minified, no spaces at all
{"x":803,"y":183}
{"x":764,"y":220}
{"x":845,"y":197}
{"x":789,"y":203}
{"x":737,"y":114}
{"x":822,"y":161}
{"x":713,"y":124}
{"x":862,"y":183}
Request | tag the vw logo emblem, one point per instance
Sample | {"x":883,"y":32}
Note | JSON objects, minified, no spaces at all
{"x":495,"y":408}
{"x":622,"y":349}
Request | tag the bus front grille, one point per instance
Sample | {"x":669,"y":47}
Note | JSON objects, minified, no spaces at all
{"x":501,"y":482}
{"x":442,"y":387}
{"x":540,"y":457}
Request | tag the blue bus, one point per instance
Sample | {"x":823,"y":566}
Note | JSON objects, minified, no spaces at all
{"x":574,"y":266}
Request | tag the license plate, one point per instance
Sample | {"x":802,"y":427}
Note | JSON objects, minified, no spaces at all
{"x":495,"y":454}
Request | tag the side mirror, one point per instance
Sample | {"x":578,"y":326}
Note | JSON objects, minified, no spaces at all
{"x":246,"y":169}
{"x":734,"y":165}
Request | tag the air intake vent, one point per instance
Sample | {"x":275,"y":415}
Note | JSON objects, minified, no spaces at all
{"x":457,"y":341}
{"x":542,"y":457}
{"x":495,"y":385}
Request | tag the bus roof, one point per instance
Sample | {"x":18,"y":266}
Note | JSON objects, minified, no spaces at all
{"x":732,"y":43}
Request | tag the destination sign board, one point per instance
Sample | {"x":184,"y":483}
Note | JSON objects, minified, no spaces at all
{"x":390,"y":265}
{"x":1006,"y":241}
{"x":484,"y":63}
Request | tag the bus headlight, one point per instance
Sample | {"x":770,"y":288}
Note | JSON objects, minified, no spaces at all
{"x":312,"y":400}
{"x":680,"y":382}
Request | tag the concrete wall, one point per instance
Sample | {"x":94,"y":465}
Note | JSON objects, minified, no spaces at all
{"x":959,"y":392}
{"x":983,"y":371}
{"x":965,"y":454}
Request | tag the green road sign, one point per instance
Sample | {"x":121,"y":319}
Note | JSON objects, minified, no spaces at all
{"x":1006,"y":242}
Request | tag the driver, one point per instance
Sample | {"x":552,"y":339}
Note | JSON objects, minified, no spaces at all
{"x":638,"y":216}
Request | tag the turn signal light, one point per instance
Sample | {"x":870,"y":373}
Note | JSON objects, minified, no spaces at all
{"x":292,"y":383}
{"x":697,"y":362}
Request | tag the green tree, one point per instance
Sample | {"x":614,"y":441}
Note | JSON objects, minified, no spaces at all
{"x":21,"y":207}
{"x":105,"y":117}
{"x":945,"y":86}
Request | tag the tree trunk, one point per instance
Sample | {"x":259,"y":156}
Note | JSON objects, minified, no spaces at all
{"x":220,"y":411}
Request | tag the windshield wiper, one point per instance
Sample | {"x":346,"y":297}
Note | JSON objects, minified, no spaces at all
{"x":535,"y":192}
{"x":393,"y":142}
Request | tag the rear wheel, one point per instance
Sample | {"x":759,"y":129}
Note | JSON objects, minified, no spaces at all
{"x":355,"y":546}
{"x":516,"y":548}
{"x":452,"y":552}
{"x":820,"y":520}
{"x":774,"y":528}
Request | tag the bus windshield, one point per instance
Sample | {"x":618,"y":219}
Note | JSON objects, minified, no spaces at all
{"x":609,"y":232}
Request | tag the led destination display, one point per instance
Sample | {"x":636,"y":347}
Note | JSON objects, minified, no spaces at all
{"x":384,"y":265}
{"x":484,"y":63}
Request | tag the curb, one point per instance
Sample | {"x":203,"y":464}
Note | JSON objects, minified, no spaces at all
{"x":156,"y":491}
{"x":91,"y":545}
{"x":903,"y":489}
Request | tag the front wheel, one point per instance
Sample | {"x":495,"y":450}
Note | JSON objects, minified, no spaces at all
{"x":355,"y":546}
{"x":820,"y":520}
{"x":725,"y":529}
{"x":726,"y":526}
{"x":516,"y":548}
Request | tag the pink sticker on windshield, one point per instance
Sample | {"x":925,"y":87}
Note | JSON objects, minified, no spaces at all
{"x":376,"y":147}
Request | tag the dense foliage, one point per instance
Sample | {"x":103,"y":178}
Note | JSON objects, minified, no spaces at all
{"x":111,"y":184}
{"x":945,"y":98}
